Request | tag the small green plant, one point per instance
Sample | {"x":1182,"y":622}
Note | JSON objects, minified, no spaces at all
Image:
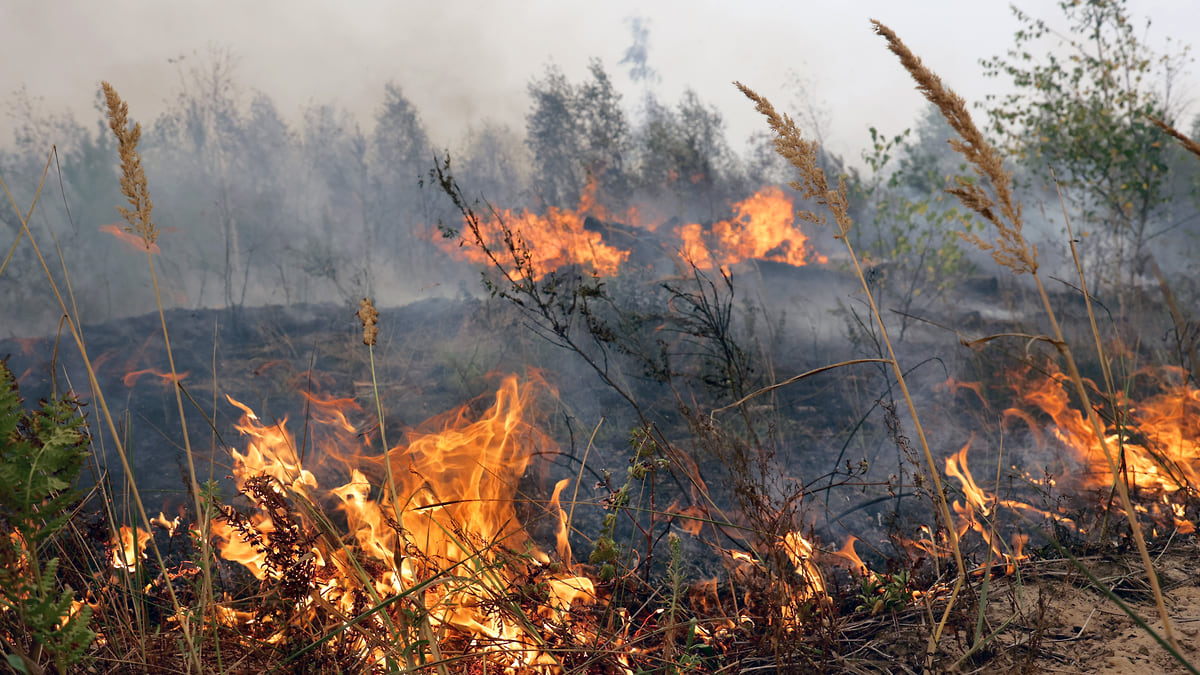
{"x":884,"y":592}
{"x":41,"y":455}
{"x":910,"y":237}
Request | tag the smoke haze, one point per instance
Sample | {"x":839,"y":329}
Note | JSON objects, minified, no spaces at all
{"x":462,"y":63}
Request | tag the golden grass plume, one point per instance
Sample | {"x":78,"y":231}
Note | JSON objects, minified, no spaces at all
{"x":133,"y":177}
{"x":1187,"y":143}
{"x":805,"y":156}
{"x":369,"y":316}
{"x":1011,"y":249}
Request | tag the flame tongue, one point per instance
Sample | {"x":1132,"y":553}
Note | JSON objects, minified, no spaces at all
{"x":1158,"y":436}
{"x":452,"y":542}
{"x":466,"y":475}
{"x":553,"y":240}
{"x":763,"y":227}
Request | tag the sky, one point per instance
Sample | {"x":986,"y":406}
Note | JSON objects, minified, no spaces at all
{"x":464,"y":63}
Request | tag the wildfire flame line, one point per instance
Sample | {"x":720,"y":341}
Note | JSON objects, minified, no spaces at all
{"x":764,"y":227}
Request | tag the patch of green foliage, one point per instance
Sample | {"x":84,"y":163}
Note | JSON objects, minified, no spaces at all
{"x":41,"y":454}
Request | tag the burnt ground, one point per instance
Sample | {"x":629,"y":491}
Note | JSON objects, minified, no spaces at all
{"x":436,"y":354}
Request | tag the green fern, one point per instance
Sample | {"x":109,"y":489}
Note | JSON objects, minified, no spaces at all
{"x":41,"y":456}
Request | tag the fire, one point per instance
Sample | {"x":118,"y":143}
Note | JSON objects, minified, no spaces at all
{"x":799,"y":550}
{"x":445,"y":542}
{"x":132,"y":377}
{"x":553,"y":240}
{"x":848,"y":553}
{"x":130,"y":548}
{"x":763,"y":228}
{"x":171,"y":525}
{"x":984,"y":505}
{"x":1158,"y":436}
{"x":129,"y":238}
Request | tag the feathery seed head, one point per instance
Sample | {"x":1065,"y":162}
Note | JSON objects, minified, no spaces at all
{"x":1011,"y":249}
{"x":805,"y":156}
{"x":133,"y":177}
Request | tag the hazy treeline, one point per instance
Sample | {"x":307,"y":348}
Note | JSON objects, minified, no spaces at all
{"x":257,"y":209}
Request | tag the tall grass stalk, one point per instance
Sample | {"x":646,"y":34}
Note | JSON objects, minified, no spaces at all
{"x":813,"y":184}
{"x":140,"y":218}
{"x":369,"y":316}
{"x":1013,"y":251}
{"x":191,"y":650}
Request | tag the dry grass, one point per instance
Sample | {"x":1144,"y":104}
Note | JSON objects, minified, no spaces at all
{"x":1013,"y":251}
{"x":813,"y":184}
{"x":198,"y":646}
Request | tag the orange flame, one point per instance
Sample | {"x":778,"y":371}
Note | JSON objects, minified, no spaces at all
{"x":450,"y":516}
{"x":129,"y":238}
{"x":130,"y":548}
{"x":132,"y":377}
{"x":553,"y":240}
{"x":171,"y":526}
{"x":847,"y":551}
{"x":763,"y":228}
{"x":800,"y":551}
{"x":1158,"y":436}
{"x":984,"y":504}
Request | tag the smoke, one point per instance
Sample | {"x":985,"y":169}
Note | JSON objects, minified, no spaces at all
{"x":466,"y":63}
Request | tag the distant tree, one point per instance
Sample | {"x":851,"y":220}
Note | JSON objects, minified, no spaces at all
{"x":606,"y":140}
{"x":496,"y":164}
{"x":89,"y":183}
{"x":908,"y":232}
{"x":268,"y":197}
{"x":925,"y":160}
{"x":399,"y":155}
{"x":684,"y":152}
{"x":554,"y":137}
{"x":335,"y":155}
{"x":197,"y":145}
{"x":1083,"y":112}
{"x":576,"y":133}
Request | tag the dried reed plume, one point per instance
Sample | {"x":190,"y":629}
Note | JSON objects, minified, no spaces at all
{"x":133,"y":178}
{"x":813,"y":185}
{"x":805,"y":156}
{"x":1187,"y":143}
{"x":369,"y":316}
{"x":1010,"y":249}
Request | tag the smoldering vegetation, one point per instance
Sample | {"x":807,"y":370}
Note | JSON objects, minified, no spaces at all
{"x":273,"y":230}
{"x":710,"y":367}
